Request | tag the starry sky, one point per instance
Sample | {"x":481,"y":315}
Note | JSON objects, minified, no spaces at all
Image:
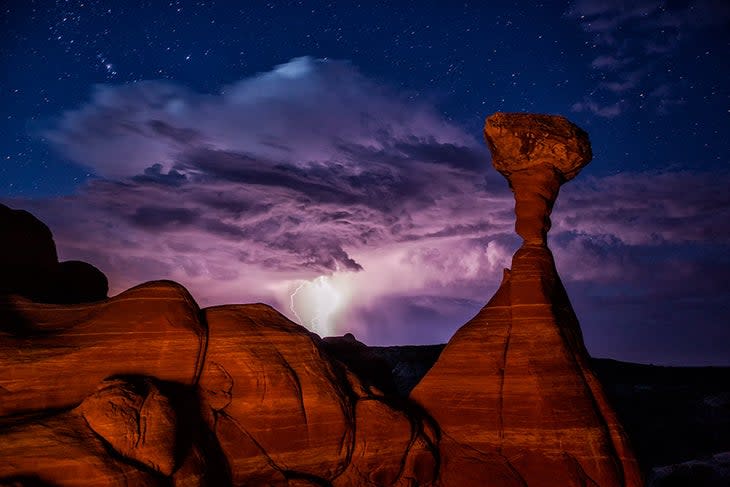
{"x":327,"y":157}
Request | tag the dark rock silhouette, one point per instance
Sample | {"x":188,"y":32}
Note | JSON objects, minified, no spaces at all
{"x":78,"y":282}
{"x":366,"y":365}
{"x":144,"y":388}
{"x":27,"y":254}
{"x":29,"y":264}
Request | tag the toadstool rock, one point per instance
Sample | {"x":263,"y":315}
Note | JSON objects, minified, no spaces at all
{"x":536,"y":153}
{"x":514,"y":384}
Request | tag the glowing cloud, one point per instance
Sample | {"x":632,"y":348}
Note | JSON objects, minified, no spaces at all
{"x":316,"y":303}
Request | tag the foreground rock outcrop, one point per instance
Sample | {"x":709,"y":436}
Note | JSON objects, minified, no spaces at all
{"x":116,"y":381}
{"x":144,"y":388}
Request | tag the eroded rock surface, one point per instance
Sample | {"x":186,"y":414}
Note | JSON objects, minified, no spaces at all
{"x":520,"y":141}
{"x":536,"y":153}
{"x":283,"y":409}
{"x":61,"y":450}
{"x":136,"y":420}
{"x":53,"y":356}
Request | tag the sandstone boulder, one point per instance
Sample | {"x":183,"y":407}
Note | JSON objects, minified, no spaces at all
{"x":536,"y":153}
{"x":75,"y":281}
{"x":283,"y":410}
{"x":61,"y":450}
{"x":520,"y":141}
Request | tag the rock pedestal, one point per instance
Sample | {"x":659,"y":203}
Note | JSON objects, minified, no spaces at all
{"x":513,"y":385}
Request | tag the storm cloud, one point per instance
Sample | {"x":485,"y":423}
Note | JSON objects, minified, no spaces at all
{"x":313,"y":169}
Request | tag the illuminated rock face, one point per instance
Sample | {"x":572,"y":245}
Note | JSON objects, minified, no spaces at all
{"x":536,"y":153}
{"x":518,"y":372}
{"x":281,"y":408}
{"x":144,"y":388}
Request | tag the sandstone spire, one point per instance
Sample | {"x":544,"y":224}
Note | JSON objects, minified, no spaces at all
{"x":513,"y":388}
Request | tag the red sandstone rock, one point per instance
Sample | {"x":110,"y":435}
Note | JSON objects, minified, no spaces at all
{"x":267,"y":385}
{"x":278,"y":405}
{"x":529,"y":408}
{"x":53,"y":356}
{"x":536,"y":153}
{"x":520,"y":141}
{"x":136,"y":420}
{"x":63,"y":450}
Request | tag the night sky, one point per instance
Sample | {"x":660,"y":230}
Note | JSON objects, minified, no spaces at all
{"x":327,"y":157}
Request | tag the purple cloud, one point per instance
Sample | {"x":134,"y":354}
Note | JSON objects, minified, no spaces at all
{"x":325,"y":193}
{"x":606,"y":111}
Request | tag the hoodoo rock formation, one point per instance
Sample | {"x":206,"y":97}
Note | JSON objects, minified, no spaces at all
{"x":513,"y":385}
{"x":145,"y":388}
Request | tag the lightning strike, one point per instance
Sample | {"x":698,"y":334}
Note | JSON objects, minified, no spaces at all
{"x":314,"y":304}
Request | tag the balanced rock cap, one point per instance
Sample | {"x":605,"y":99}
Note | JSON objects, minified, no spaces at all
{"x":520,"y":141}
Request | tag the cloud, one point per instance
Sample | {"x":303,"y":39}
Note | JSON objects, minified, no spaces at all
{"x":126,"y":129}
{"x":606,"y":111}
{"x":287,"y":175}
{"x":648,"y":208}
{"x":315,"y":177}
{"x":637,"y":40}
{"x":608,"y":62}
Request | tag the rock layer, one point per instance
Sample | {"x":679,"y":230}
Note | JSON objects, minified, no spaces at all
{"x":136,"y":420}
{"x":519,"y":369}
{"x":53,"y":356}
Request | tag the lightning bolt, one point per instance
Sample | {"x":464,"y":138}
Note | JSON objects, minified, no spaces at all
{"x":317,"y":321}
{"x":291,"y":300}
{"x":321,"y":300}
